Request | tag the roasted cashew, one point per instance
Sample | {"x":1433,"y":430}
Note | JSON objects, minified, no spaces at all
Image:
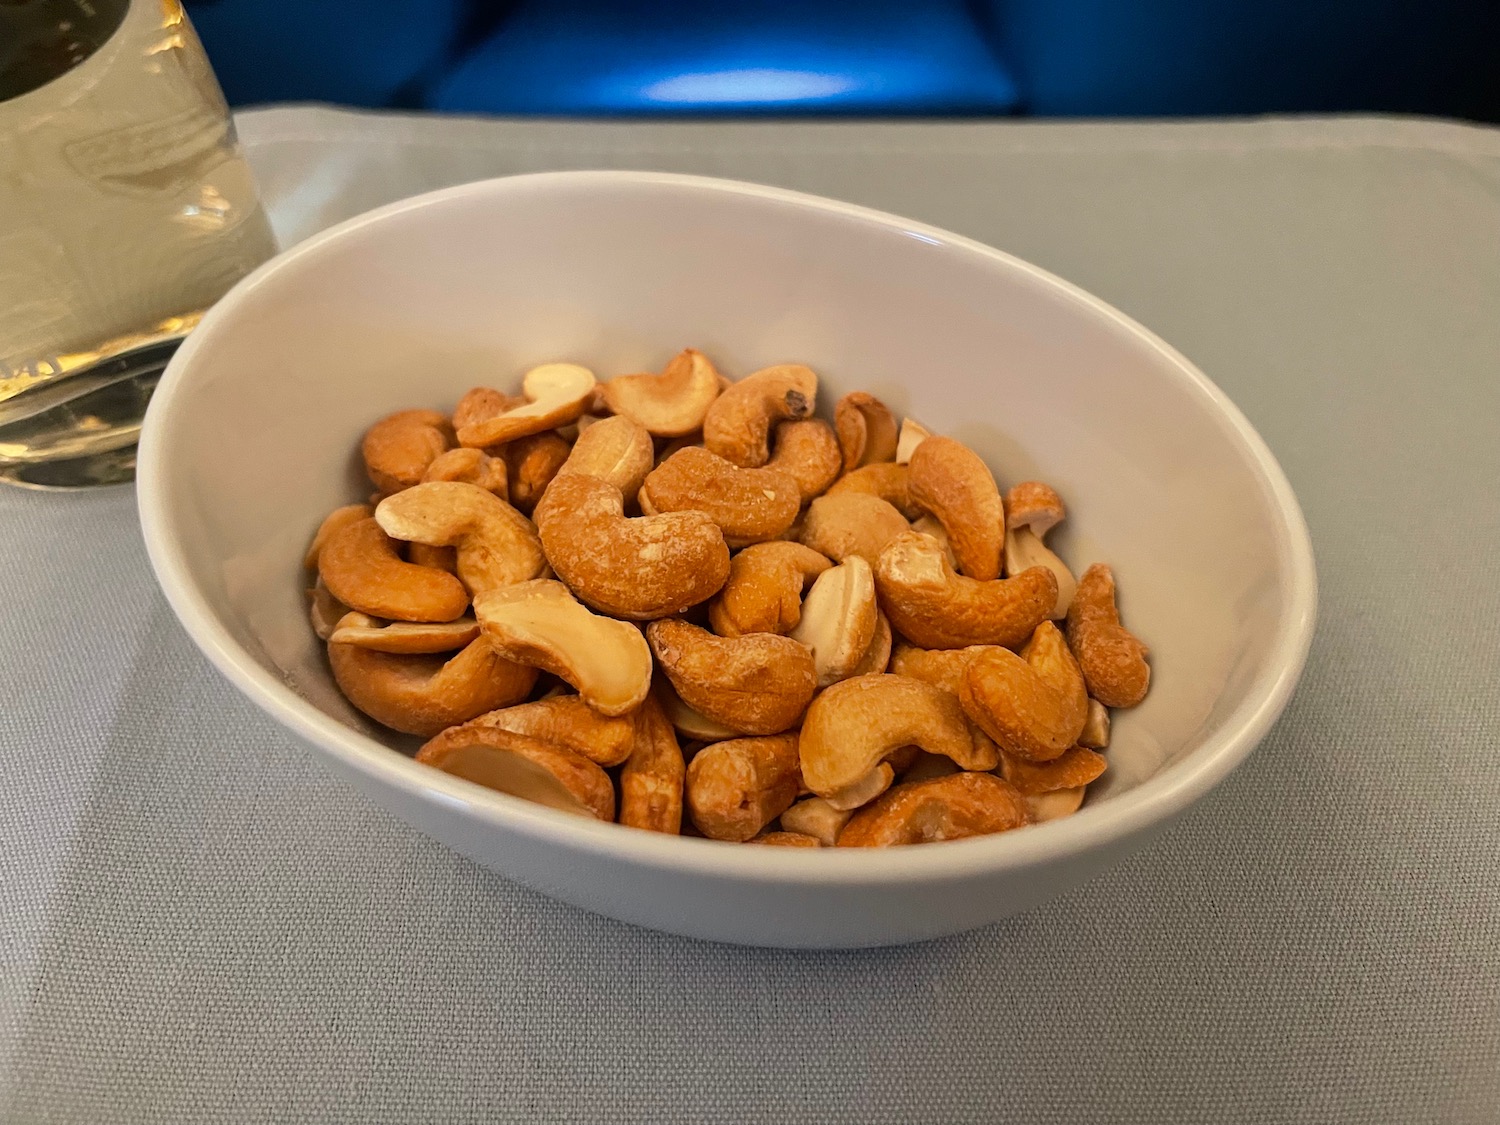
{"x":943,"y":808}
{"x":525,"y":767}
{"x":807,"y":451}
{"x":360,"y":567}
{"x":764,"y":591}
{"x":756,"y":684}
{"x":651,"y":781}
{"x":951,"y":481}
{"x":324,"y":610}
{"x":1096,"y":727}
{"x":851,"y":729}
{"x":1032,"y":705}
{"x":1055,"y":804}
{"x":889,"y":481}
{"x":1112,"y":659}
{"x":556,"y":394}
{"x":736,"y":788}
{"x":913,"y":434}
{"x":425,"y":694}
{"x":480,"y":404}
{"x":402,"y":637}
{"x":640,"y":568}
{"x":928,"y":766}
{"x":532,"y":462}
{"x":335,"y":521}
{"x":866,"y":429}
{"x":940,"y":667}
{"x":1031,"y":510}
{"x":749,"y":505}
{"x":816,"y":818}
{"x":785,"y":840}
{"x":497,"y":545}
{"x":1076,"y":768}
{"x":687,"y":722}
{"x":738,"y":425}
{"x":670,"y":404}
{"x":398,"y":448}
{"x":851,"y":524}
{"x":472,"y":466}
{"x":617,"y":450}
{"x":933,"y":607}
{"x":541,"y":624}
{"x":878,"y":656}
{"x":564,"y":720}
{"x":839,"y":619}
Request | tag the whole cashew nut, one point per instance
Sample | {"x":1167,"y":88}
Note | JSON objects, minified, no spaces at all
{"x":763,"y":593}
{"x":635,"y":567}
{"x":856,"y":724}
{"x":425,"y":694}
{"x":756,"y":684}
{"x":360,"y":567}
{"x":541,"y":624}
{"x":738,"y":425}
{"x":807,"y":451}
{"x":532,"y":462}
{"x":617,"y":450}
{"x":1033,"y":705}
{"x":933,"y":607}
{"x":651,"y":781}
{"x":670,"y":404}
{"x":889,"y":481}
{"x":951,"y":481}
{"x":1112,"y":659}
{"x":556,"y":394}
{"x":839,"y":619}
{"x":404,"y":636}
{"x":851,"y":524}
{"x":749,"y":505}
{"x":1031,"y":510}
{"x":866,"y":429}
{"x":563,"y":720}
{"x":736,"y":788}
{"x":472,"y":466}
{"x":943,"y":808}
{"x":497,"y":545}
{"x":525,"y":767}
{"x":398,"y":448}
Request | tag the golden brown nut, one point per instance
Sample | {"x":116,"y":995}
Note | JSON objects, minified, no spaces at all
{"x":1076,"y":768}
{"x":866,"y":430}
{"x":1031,"y":510}
{"x":480,"y":404}
{"x":360,"y":567}
{"x":537,"y":771}
{"x":930,"y":527}
{"x":398,"y":448}
{"x":749,"y":505}
{"x":851,"y":524}
{"x":685,"y":721}
{"x":933,"y":607}
{"x":1112,"y":659}
{"x":563,"y":720}
{"x":497,"y":545}
{"x":736,"y":788}
{"x":839,"y":619}
{"x":757,"y":684}
{"x":651,"y":782}
{"x":472,"y":466}
{"x":617,"y":450}
{"x":670,"y":404}
{"x":925,"y":767}
{"x":951,"y":481}
{"x":424,"y":694}
{"x":365,"y":631}
{"x":944,"y":808}
{"x":764,"y":591}
{"x":439,"y":558}
{"x":532,"y":462}
{"x":336,"y":520}
{"x":556,"y":394}
{"x":738,"y":425}
{"x":1032,"y":705}
{"x":941,"y":667}
{"x":807,"y":451}
{"x":639,"y":568}
{"x":885,"y":479}
{"x":786,"y":840}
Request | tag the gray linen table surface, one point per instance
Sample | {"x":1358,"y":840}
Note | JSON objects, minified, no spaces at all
{"x":198,"y":923}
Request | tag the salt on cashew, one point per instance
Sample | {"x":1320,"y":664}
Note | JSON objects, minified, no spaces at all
{"x":866,"y":429}
{"x":738,"y":424}
{"x":763,"y":593}
{"x":670,"y":404}
{"x":541,"y":624}
{"x":736,"y":788}
{"x":808,"y":452}
{"x":885,"y":479}
{"x":952,"y":482}
{"x":912,"y":434}
{"x":1033,"y":705}
{"x":472,"y":466}
{"x":563,"y":720}
{"x":1096,"y":727}
{"x":497,"y":545}
{"x":839,"y":619}
{"x":403,"y":636}
{"x":424,"y":694}
{"x":556,"y":394}
{"x":635,"y":567}
{"x":943,"y":808}
{"x":854,"y":726}
{"x":1112,"y":659}
{"x":334,"y":521}
{"x":815,"y":817}
{"x":1031,"y":510}
{"x":617,"y":450}
{"x":360,"y":567}
{"x":934,"y":607}
{"x":651,"y":781}
{"x":398,"y":448}
{"x":748,"y":505}
{"x":851,"y":524}
{"x":756,"y":684}
{"x":532,"y":462}
{"x":521,"y":766}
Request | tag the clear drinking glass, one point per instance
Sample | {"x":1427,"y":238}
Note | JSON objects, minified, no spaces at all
{"x":126,"y":210}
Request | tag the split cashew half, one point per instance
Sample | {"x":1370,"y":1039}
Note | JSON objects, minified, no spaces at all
{"x":670,"y":404}
{"x":943,"y":808}
{"x":564,"y":720}
{"x":542,"y":772}
{"x":556,"y":394}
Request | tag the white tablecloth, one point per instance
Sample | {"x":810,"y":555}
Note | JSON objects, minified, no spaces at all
{"x":198,"y":924}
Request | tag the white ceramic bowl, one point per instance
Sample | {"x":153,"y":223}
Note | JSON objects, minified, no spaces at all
{"x":253,"y":434}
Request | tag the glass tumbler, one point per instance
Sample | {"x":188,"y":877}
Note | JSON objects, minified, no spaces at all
{"x":126,"y":210}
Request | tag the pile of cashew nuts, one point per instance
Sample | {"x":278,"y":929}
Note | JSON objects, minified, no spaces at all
{"x":673,"y":594}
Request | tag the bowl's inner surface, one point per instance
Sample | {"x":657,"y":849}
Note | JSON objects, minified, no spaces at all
{"x":262,"y":434}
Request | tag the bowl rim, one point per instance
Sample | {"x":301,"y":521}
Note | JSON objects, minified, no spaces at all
{"x":1155,"y":800}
